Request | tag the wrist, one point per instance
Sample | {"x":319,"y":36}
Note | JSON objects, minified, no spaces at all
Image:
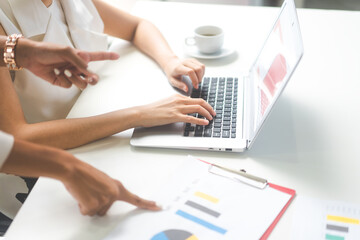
{"x":168,"y":62}
{"x":64,"y":165}
{"x":69,"y":170}
{"x":9,"y":52}
{"x":137,"y":114}
{"x":23,"y":52}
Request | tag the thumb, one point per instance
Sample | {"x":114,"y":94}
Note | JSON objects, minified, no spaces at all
{"x":179,"y":84}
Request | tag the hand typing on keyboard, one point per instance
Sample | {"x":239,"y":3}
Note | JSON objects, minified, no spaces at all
{"x":192,"y":68}
{"x":176,"y":108}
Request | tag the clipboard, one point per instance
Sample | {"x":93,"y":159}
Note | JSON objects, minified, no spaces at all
{"x":255,"y":181}
{"x":200,"y":202}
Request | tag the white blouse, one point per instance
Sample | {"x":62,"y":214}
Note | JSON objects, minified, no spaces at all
{"x":6,"y":144}
{"x":40,"y":100}
{"x":56,"y":12}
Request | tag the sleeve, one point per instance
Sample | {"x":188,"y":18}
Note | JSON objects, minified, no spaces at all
{"x":6,"y":144}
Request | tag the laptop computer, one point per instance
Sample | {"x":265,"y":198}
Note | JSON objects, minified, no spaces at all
{"x":242,"y":103}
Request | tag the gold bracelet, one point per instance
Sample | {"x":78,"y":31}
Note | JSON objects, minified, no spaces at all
{"x":9,"y":51}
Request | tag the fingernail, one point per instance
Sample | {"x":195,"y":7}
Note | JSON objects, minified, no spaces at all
{"x":90,"y":80}
{"x":184,"y":89}
{"x":56,"y":71}
{"x":67,"y":73}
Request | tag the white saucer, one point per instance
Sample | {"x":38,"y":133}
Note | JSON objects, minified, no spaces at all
{"x":194,"y":52}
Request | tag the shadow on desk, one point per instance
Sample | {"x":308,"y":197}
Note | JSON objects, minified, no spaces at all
{"x":291,"y":131}
{"x":277,"y":138}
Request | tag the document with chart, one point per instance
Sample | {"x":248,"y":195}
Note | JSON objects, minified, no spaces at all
{"x":325,"y":220}
{"x":198,"y":204}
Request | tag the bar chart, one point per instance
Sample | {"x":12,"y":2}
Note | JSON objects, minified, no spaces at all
{"x":339,"y":227}
{"x":327,"y":220}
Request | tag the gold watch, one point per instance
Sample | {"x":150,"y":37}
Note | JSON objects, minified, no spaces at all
{"x":9,"y":51}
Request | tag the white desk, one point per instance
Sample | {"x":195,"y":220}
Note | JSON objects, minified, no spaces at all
{"x":310,"y":142}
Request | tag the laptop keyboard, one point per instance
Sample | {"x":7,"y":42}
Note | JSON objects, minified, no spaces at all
{"x":221,"y":94}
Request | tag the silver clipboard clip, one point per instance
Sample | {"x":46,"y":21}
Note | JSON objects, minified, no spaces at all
{"x":240,"y":176}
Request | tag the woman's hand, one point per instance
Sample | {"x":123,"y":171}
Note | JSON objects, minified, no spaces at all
{"x":176,"y":68}
{"x":175,"y":109}
{"x":96,"y":192}
{"x":59,"y":65}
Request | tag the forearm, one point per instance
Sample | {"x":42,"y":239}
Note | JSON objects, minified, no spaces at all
{"x":65,"y":133}
{"x":142,"y":33}
{"x":70,"y":133}
{"x":32,"y":160}
{"x":155,"y":44}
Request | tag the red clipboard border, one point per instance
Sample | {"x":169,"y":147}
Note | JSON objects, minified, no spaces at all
{"x":273,"y":224}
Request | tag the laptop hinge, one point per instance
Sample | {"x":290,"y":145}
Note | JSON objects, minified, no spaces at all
{"x":248,"y":109}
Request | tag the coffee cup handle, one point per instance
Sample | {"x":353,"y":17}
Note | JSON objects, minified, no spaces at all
{"x":190,"y":41}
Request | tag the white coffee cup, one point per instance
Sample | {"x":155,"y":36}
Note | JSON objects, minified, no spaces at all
{"x":208,"y":39}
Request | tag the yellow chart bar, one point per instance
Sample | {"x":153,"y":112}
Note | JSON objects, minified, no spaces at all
{"x":206,"y":197}
{"x":343,"y":219}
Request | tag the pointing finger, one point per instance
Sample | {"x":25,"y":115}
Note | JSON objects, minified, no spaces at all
{"x":98,"y":56}
{"x":135,"y":200}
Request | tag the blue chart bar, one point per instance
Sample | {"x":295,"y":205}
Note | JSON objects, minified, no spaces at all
{"x":201,"y":222}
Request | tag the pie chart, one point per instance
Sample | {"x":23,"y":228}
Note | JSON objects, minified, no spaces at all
{"x":174,"y":234}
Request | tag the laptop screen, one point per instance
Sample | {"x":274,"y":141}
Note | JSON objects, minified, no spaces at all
{"x":275,"y":63}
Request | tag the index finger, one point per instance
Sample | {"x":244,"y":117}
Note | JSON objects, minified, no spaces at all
{"x":203,"y":103}
{"x":100,"y":56}
{"x":80,"y":59}
{"x":94,"y":56}
{"x":126,"y":196}
{"x":73,"y":57}
{"x":141,"y":203}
